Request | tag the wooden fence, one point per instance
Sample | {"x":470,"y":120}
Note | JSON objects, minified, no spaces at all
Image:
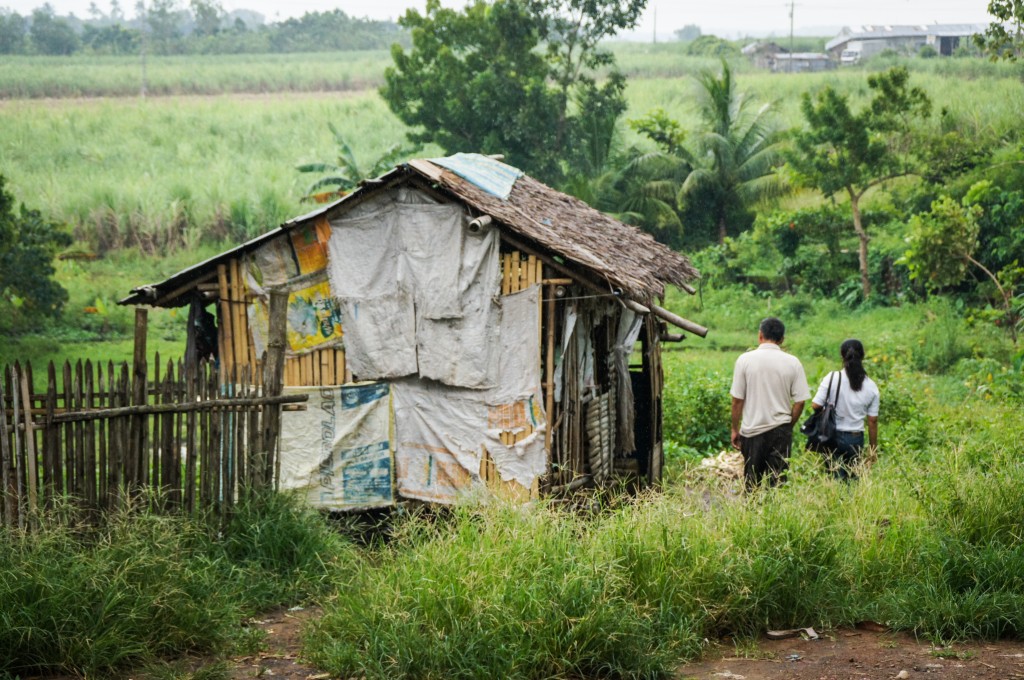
{"x":102,"y":435}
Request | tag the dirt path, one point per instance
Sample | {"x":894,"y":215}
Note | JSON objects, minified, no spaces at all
{"x":859,"y":654}
{"x":282,"y":645}
{"x":845,"y":654}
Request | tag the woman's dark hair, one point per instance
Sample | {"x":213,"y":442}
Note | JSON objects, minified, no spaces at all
{"x":852,"y":353}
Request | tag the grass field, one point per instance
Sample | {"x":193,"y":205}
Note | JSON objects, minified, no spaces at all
{"x":927,"y":541}
{"x":166,"y":172}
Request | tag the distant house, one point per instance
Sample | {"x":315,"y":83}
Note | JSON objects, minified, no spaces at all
{"x":762,"y":54}
{"x":802,"y":62}
{"x":855,"y":45}
{"x":773,"y":57}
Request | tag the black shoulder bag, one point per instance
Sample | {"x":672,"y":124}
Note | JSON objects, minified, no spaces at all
{"x":820,"y":426}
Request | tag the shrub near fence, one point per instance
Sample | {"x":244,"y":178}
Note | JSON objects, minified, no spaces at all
{"x":199,"y":438}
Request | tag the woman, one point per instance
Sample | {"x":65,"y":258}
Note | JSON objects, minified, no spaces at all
{"x":857,"y":402}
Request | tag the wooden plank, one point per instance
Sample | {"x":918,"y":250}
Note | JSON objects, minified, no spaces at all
{"x":269,"y":463}
{"x":549,"y":372}
{"x":89,"y":432}
{"x":326,"y":370}
{"x":227,"y":347}
{"x":339,"y":367}
{"x":531,"y":270}
{"x":237,"y":329}
{"x":67,"y":461}
{"x":51,"y":440}
{"x":79,"y":434}
{"x":506,"y":273}
{"x":314,"y":360}
{"x":19,"y":449}
{"x":7,"y":491}
{"x":32,"y":471}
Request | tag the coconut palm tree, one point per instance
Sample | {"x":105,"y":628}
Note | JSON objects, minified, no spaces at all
{"x":737,"y":151}
{"x":346,"y":173}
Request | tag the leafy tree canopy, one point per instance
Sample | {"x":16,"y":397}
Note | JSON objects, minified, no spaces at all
{"x":1004,"y":37}
{"x":479,"y":80}
{"x":840,"y":150}
{"x":28,"y":244}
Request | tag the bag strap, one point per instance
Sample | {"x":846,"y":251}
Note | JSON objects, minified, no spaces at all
{"x":838,"y":386}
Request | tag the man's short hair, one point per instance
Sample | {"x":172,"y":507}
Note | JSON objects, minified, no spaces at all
{"x":773,"y":330}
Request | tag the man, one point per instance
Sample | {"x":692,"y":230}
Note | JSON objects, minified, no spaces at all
{"x":769,"y":389}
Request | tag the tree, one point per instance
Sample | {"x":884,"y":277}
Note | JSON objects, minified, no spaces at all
{"x":345,"y":174}
{"x":942,"y":246}
{"x":52,"y":35}
{"x":738,"y":151}
{"x":1004,"y":37}
{"x":28,"y":244}
{"x":842,"y":151}
{"x":508,"y":76}
{"x":13,"y":29}
{"x":208,"y":16}
{"x":688,"y":33}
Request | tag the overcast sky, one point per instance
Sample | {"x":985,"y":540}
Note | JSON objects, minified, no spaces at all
{"x":727,"y":18}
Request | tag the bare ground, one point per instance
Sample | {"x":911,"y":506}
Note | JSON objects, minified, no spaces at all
{"x":865,"y":653}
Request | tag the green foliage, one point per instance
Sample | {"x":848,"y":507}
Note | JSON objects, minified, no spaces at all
{"x":1004,"y":37}
{"x":346,"y":173}
{"x":696,"y":411}
{"x":28,"y":244}
{"x":737,"y":152}
{"x":141,"y":587}
{"x":942,"y":243}
{"x":51,"y":35}
{"x":712,"y":46}
{"x":477,"y":80}
{"x":840,"y":150}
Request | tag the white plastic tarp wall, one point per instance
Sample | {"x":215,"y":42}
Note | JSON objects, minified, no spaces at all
{"x":338,"y":451}
{"x":416,"y":292}
{"x":441,"y":432}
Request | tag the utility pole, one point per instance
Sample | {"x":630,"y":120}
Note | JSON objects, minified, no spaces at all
{"x":140,"y":9}
{"x":654,"y":37}
{"x":791,"y":5}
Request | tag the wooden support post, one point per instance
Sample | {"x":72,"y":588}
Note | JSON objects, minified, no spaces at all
{"x":31,"y":463}
{"x":7,"y":490}
{"x":227,"y":347}
{"x":274,"y":369}
{"x":137,"y":437}
{"x":549,"y":372}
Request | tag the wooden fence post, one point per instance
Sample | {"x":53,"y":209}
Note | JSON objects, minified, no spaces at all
{"x":9,"y":491}
{"x":137,"y":437}
{"x":273,"y":379}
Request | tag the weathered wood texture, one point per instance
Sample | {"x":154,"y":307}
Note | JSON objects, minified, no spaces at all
{"x":185,"y":440}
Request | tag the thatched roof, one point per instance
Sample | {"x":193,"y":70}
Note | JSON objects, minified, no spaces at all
{"x":586,"y":240}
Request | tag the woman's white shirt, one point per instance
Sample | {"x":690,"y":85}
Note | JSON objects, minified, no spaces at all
{"x":851,"y":407}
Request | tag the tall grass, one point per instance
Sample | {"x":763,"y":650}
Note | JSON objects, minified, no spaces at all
{"x":121,"y":76}
{"x":537,"y":592}
{"x":143,"y":587}
{"x":156,"y":174}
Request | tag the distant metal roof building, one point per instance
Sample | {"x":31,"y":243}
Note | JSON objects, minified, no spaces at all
{"x":879,"y":32}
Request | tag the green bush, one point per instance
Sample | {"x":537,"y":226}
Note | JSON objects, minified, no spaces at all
{"x":143,"y":587}
{"x":696,"y":410}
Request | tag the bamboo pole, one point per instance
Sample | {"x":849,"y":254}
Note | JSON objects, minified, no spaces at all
{"x":90,"y":438}
{"x":6,"y":467}
{"x":272,"y":380}
{"x":31,"y":469}
{"x":549,"y":372}
{"x":227,"y":347}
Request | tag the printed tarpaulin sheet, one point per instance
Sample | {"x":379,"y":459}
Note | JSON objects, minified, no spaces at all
{"x":314,"y":318}
{"x":441,"y":431}
{"x":338,"y":452}
{"x":493,"y":176}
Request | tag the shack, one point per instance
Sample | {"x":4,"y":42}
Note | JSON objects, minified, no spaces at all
{"x":459,"y":328}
